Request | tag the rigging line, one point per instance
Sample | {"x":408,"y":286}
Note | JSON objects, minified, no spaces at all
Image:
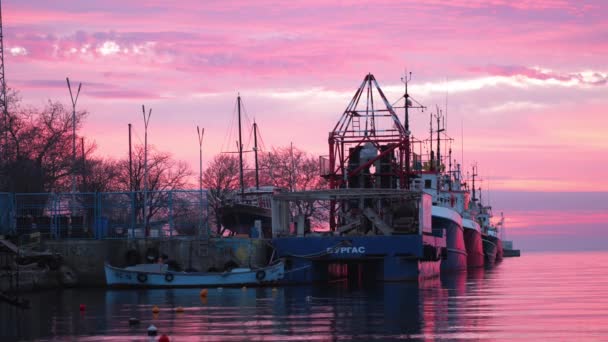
{"x":227,"y":142}
{"x":248,"y":121}
{"x":134,"y":133}
{"x":262,"y":145}
{"x":248,"y":144}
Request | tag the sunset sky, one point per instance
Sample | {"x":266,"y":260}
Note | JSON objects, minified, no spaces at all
{"x":527,"y":83}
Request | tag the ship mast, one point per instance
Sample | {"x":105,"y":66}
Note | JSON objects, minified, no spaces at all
{"x":240,"y":148}
{"x":439,"y":130}
{"x":474,"y":174}
{"x":255,"y":151}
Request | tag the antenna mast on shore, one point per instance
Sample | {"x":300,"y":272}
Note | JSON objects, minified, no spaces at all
{"x":3,"y":100}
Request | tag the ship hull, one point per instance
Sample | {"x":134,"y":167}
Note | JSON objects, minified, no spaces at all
{"x":369,"y":258}
{"x":240,"y":218}
{"x":474,"y":247}
{"x":490,"y":250}
{"x":448,"y":221}
{"x":499,"y":250}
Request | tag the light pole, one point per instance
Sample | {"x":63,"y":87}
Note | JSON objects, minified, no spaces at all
{"x":146,"y":122}
{"x":74,"y":100}
{"x":201,"y":133}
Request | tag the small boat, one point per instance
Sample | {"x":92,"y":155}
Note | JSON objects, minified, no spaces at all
{"x":159,"y":275}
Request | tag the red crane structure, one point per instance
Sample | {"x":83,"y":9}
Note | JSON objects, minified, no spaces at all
{"x":369,"y":147}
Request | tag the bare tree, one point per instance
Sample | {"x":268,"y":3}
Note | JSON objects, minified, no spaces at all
{"x":36,"y":154}
{"x":221,"y":179}
{"x":164,"y":174}
{"x":295,"y":170}
{"x":101,"y":175}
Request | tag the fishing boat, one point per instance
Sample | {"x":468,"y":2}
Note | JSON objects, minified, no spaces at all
{"x":431,"y":178}
{"x":492,"y":244}
{"x":159,"y":275}
{"x":370,"y":225}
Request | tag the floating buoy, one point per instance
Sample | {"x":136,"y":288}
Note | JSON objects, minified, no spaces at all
{"x":152,"y":330}
{"x":133,"y":321}
{"x":244,"y":288}
{"x":83,"y":307}
{"x":155,"y":309}
{"x":164,"y":338}
{"x":274,"y":289}
{"x":179,"y":309}
{"x":308,"y":298}
{"x":204,"y":293}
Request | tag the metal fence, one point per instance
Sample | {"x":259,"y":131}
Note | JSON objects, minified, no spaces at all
{"x":105,"y":215}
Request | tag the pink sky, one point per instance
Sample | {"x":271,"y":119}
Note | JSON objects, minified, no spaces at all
{"x":527,"y":79}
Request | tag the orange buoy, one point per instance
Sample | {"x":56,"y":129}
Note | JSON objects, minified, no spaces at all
{"x":179,"y":309}
{"x":155,"y":309}
{"x":204,"y":293}
{"x":83,"y":307}
{"x":164,"y":338}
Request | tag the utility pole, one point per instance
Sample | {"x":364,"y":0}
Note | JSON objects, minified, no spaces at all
{"x":84,"y":173}
{"x":146,"y":122}
{"x":3,"y":99}
{"x":255,"y":150}
{"x":201,"y":133}
{"x":74,"y":101}
{"x":130,"y":162}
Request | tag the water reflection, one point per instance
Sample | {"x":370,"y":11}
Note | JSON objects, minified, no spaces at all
{"x":536,"y":297}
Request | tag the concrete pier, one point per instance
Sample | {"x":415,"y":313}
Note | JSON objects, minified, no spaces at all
{"x":86,"y":258}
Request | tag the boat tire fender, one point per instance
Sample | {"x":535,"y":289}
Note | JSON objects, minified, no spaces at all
{"x":169,"y":277}
{"x":260,"y":275}
{"x":142,"y":277}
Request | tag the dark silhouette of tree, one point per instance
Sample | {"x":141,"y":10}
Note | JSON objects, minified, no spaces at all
{"x":221,"y":179}
{"x":164,"y":174}
{"x":37,"y":151}
{"x":294,"y":170}
{"x":101,"y":175}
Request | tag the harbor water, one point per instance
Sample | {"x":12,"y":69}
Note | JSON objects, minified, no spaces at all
{"x":539,"y":296}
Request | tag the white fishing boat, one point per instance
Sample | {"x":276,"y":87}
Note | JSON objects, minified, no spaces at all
{"x":158,"y":275}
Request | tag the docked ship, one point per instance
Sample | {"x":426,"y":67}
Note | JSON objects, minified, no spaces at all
{"x":448,"y":201}
{"x":446,"y":218}
{"x":374,"y":226}
{"x":472,"y":230}
{"x":492,"y":244}
{"x":247,"y":210}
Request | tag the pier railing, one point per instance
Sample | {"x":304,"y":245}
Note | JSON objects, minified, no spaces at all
{"x":107,"y":215}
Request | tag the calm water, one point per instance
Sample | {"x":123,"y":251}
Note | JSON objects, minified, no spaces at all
{"x":562,"y":297}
